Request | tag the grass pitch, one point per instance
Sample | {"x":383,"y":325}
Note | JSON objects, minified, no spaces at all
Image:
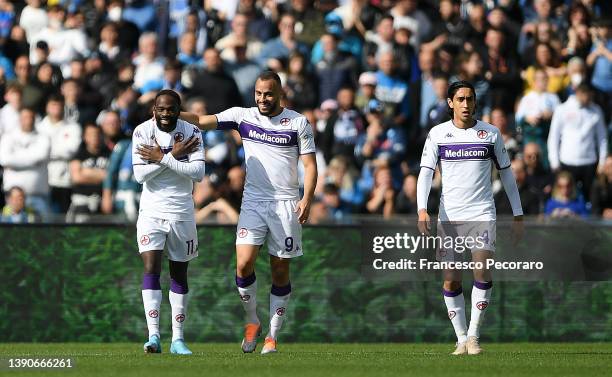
{"x":296,"y":360}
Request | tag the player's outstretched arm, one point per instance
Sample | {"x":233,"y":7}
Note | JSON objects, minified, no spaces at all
{"x":423,"y":188}
{"x":204,"y":122}
{"x":310,"y":182}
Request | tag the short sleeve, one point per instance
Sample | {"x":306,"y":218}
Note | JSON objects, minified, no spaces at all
{"x":429,"y":158}
{"x":501,"y":158}
{"x":306,"y":142}
{"x":139,"y":137}
{"x":229,"y":119}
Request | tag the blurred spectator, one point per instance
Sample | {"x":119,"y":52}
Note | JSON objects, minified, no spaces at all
{"x":87,"y":173}
{"x":15,"y":211}
{"x":170,"y":80}
{"x":600,"y":60}
{"x":406,"y":56}
{"x":32,"y":96}
{"x":300,"y":86}
{"x":501,"y":69}
{"x":535,"y":111}
{"x":578,"y":141}
{"x":537,"y":175}
{"x":451,"y":29}
{"x":343,"y":175}
{"x":343,"y":128}
{"x":322,"y":114}
{"x":422,"y":93}
{"x":277,"y":50}
{"x":216,"y":87}
{"x":308,"y":21}
{"x":142,"y":13}
{"x":24,"y":154}
{"x":578,"y":37}
{"x":239,"y":37}
{"x":406,"y":202}
{"x":544,"y":34}
{"x":318,"y":213}
{"x":337,"y":208}
{"x":335,"y":70}
{"x":576,"y":70}
{"x":187,"y":50}
{"x":65,"y":138}
{"x":530,"y":197}
{"x":110,"y":125}
{"x":120,"y":190}
{"x":438,"y":112}
{"x":406,"y":14}
{"x":244,"y":71}
{"x":379,"y":41}
{"x":565,"y":202}
{"x":260,"y":25}
{"x":347,"y":41}
{"x":76,"y":109}
{"x":499,"y":119}
{"x":33,"y":18}
{"x":546,"y":59}
{"x":381,"y":200}
{"x":601,"y":193}
{"x":9,"y":114}
{"x":109,"y":48}
{"x":149,"y":66}
{"x":367,"y":90}
{"x":392,"y":90}
{"x":471,"y":70}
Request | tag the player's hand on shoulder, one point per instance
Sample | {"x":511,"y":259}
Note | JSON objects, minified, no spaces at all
{"x":151,"y":153}
{"x":185,"y":147}
{"x":424,"y":222}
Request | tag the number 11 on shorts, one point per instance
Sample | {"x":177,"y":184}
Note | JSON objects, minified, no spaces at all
{"x":190,"y":249}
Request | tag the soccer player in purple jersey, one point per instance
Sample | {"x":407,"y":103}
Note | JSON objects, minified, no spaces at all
{"x":465,"y":150}
{"x":274,"y":139}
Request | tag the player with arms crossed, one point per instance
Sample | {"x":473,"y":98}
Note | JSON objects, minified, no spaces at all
{"x":465,"y":150}
{"x":274,"y":138}
{"x":168,"y":156}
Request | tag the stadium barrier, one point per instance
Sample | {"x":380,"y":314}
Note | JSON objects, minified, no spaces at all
{"x":81,"y":283}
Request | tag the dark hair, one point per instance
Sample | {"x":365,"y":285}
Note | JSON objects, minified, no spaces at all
{"x":454,"y":87}
{"x":171,"y":93}
{"x":55,"y":98}
{"x":270,"y":75}
{"x":584,"y":87}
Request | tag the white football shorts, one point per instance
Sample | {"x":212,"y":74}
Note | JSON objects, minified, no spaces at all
{"x":258,"y":219}
{"x":459,"y":237}
{"x":180,"y":236}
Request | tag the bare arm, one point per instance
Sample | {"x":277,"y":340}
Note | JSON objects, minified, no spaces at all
{"x":85,"y":176}
{"x":204,"y":122}
{"x":310,"y":182}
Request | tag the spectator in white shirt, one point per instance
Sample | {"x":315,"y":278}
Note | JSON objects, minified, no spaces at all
{"x":65,"y":138}
{"x":24,"y":154}
{"x":577,"y":141}
{"x":33,"y":19}
{"x":148,"y":65}
{"x":9,"y":114}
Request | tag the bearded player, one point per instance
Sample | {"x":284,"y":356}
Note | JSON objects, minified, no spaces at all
{"x":168,"y":157}
{"x":465,"y":149}
{"x":274,"y":138}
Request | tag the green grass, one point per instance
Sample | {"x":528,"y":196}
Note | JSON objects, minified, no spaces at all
{"x":296,"y":360}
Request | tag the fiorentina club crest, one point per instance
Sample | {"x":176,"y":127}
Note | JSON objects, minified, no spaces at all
{"x":280,"y":312}
{"x":245,"y":298}
{"x":243,"y":232}
{"x":284,"y":121}
{"x":482,"y":305}
{"x":482,"y":134}
{"x":180,"y":317}
{"x":452,"y":314}
{"x":153,"y":313}
{"x":144,"y":240}
{"x":178,"y":137}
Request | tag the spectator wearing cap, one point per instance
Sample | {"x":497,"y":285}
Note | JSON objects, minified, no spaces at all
{"x":309,"y":24}
{"x":301,"y":87}
{"x":347,"y":42}
{"x":149,"y":66}
{"x":280,"y":48}
{"x":15,"y":211}
{"x":578,"y":141}
{"x":600,"y":61}
{"x":343,"y":127}
{"x":323,"y":113}
{"x":392,"y":90}
{"x":382,"y":144}
{"x":335,"y":70}
{"x":24,"y":154}
{"x":214,"y":85}
{"x":367,"y":90}
{"x":405,"y":12}
{"x":239,"y":37}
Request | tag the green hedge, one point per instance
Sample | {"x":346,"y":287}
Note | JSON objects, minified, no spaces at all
{"x":82,"y":283}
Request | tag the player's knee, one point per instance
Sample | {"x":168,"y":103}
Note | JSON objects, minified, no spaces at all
{"x":244,"y":268}
{"x":452,"y":286}
{"x":280,"y":276}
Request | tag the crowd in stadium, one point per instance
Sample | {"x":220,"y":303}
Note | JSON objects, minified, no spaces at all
{"x":76,"y":77}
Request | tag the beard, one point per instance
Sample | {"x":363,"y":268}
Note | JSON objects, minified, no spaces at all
{"x":169,"y":125}
{"x":268,"y":110}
